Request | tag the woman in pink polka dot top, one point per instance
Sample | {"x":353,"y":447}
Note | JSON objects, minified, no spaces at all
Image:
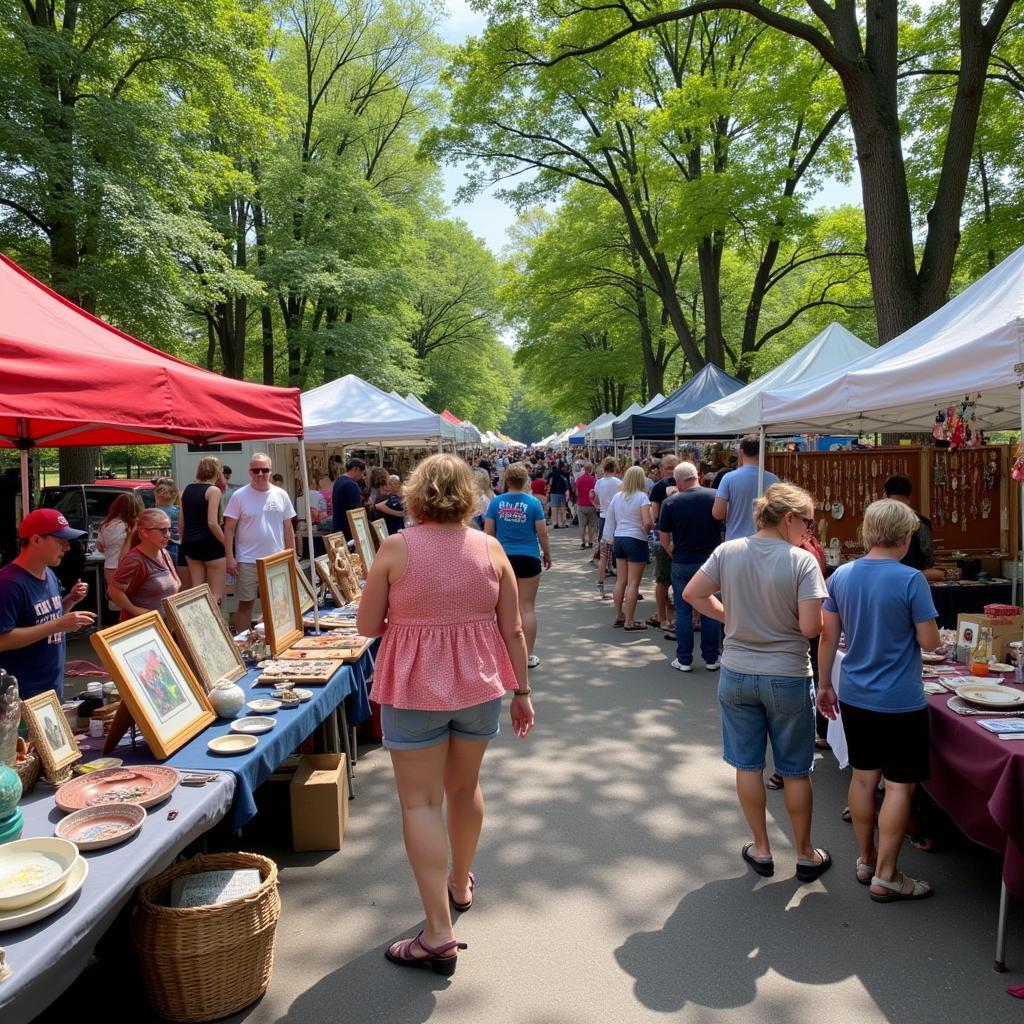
{"x":444,"y":599}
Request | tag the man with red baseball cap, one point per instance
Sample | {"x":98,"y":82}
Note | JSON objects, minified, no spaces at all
{"x":33,"y":617}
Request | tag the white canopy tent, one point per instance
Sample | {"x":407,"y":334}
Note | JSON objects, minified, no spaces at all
{"x":831,"y":351}
{"x":448,"y":430}
{"x":350,"y":411}
{"x":590,"y":429}
{"x":970,"y":347}
{"x":605,"y":432}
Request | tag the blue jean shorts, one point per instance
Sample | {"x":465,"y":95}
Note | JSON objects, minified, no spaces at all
{"x":406,"y":729}
{"x":756,"y":709}
{"x":629,"y":549}
{"x":556,"y":500}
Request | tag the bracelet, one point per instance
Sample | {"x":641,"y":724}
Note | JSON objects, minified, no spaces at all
{"x":522,"y":693}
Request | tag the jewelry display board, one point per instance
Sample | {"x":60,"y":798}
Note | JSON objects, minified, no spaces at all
{"x":962,"y":491}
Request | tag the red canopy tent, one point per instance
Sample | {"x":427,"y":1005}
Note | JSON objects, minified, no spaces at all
{"x":68,"y":378}
{"x":451,"y":418}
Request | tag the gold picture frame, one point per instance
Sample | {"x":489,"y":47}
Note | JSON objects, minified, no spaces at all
{"x":202,"y":634}
{"x":158,"y":689}
{"x":279,"y":598}
{"x":323,"y":570}
{"x":342,"y":568}
{"x":380,"y":528}
{"x":49,"y":731}
{"x":359,"y":524}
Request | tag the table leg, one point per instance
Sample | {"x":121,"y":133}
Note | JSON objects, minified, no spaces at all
{"x":347,"y":740}
{"x":1004,"y":906}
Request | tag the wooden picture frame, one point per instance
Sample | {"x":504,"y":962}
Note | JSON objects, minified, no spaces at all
{"x":49,"y":731}
{"x":359,"y":524}
{"x":323,"y":570}
{"x":308,"y":598}
{"x":158,"y":689}
{"x":279,"y":598}
{"x":380,"y":528}
{"x":202,"y":633}
{"x":342,"y":569}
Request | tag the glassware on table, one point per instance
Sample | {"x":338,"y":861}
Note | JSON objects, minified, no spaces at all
{"x":982,"y":652}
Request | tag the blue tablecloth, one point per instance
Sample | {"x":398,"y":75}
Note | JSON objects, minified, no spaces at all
{"x":292,"y":726}
{"x":48,"y":956}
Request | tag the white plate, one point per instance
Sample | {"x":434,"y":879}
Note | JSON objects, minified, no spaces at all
{"x":253,"y":725}
{"x":32,"y":868}
{"x":1000,"y":666}
{"x":990,"y":695}
{"x":264,"y":706}
{"x":932,"y":659}
{"x":18,"y":918}
{"x":232,"y":744}
{"x":303,"y":695}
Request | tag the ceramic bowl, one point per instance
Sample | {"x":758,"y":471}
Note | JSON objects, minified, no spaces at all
{"x":253,"y":725}
{"x":264,"y":706}
{"x":31,"y":869}
{"x":93,"y":828}
{"x":232,"y":744}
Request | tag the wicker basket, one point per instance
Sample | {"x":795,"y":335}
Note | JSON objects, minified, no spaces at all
{"x":203,"y":963}
{"x":27,"y":765}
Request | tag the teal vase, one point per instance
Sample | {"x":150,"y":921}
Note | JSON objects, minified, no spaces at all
{"x":11,"y":817}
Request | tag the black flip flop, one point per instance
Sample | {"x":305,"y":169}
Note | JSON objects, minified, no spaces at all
{"x":765,"y":868}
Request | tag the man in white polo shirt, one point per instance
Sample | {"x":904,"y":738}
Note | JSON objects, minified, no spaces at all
{"x":257,"y":523}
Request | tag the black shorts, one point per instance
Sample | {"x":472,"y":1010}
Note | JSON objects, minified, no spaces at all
{"x":203,"y":550}
{"x":895,"y":743}
{"x":525,"y":566}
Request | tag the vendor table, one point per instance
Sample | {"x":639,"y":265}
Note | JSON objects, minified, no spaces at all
{"x":292,"y":726}
{"x":953,"y":598}
{"x":46,"y":957}
{"x":978,"y":780}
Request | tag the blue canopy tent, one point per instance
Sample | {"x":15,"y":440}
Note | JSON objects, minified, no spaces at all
{"x":659,"y":423}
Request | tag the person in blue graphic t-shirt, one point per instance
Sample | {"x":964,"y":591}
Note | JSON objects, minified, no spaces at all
{"x":33,"y":616}
{"x":516,"y":519}
{"x":737,"y":492}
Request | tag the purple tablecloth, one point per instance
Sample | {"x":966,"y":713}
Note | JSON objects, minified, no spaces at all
{"x":978,"y":780}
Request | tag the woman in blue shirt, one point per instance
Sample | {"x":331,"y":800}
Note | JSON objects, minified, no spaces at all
{"x":888,"y":616}
{"x":516,"y":519}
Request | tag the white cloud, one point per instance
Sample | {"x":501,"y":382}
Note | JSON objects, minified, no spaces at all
{"x":462,"y":21}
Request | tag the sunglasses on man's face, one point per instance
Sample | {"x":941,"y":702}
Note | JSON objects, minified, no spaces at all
{"x":258,"y":469}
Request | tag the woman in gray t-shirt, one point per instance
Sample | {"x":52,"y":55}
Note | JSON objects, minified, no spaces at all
{"x":771,"y":595}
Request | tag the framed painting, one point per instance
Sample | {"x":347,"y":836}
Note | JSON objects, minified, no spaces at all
{"x":279,"y":597}
{"x":203,"y":635}
{"x":157,"y":687}
{"x":49,"y":731}
{"x":380,"y":529}
{"x":323,"y":570}
{"x":359,"y":524}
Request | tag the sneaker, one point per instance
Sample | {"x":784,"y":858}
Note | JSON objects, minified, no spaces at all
{"x":532,"y":661}
{"x":680,"y":667}
{"x":712,"y":666}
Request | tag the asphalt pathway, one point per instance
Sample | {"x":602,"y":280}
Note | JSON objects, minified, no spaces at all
{"x":610,"y":885}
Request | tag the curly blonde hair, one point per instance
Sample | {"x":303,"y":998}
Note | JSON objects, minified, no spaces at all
{"x":441,"y":490}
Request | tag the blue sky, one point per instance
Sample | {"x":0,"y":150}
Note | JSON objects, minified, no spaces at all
{"x":487,"y":217}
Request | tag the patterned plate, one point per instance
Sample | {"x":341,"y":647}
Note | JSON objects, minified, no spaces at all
{"x":93,"y":828}
{"x":145,"y":785}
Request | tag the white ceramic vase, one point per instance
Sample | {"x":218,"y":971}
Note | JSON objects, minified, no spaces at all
{"x":227,"y":699}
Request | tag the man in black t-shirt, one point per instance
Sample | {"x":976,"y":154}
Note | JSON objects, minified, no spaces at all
{"x":921,"y":554}
{"x":347,"y":494}
{"x":689,"y":531}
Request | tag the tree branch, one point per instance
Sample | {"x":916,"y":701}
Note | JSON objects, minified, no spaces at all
{"x":27,"y":214}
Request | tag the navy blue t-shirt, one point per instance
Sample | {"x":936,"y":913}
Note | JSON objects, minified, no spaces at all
{"x":687,"y":516}
{"x":394,"y":523}
{"x":26,"y":601}
{"x":345,"y":494}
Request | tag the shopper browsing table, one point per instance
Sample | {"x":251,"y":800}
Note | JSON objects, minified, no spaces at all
{"x":887,"y":614}
{"x":443,"y":596}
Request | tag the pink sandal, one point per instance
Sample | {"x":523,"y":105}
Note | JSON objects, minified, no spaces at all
{"x":436,"y":959}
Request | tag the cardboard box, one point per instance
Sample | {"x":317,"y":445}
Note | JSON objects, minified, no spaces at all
{"x":1004,"y":631}
{"x":319,"y":799}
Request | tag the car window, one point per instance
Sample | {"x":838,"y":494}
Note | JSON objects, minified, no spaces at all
{"x":70,"y":503}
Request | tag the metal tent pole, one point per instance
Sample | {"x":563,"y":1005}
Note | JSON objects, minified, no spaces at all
{"x":26,"y":503}
{"x":760,"y":463}
{"x":309,"y":532}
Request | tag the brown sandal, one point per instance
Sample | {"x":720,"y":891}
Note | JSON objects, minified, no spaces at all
{"x":635,"y":627}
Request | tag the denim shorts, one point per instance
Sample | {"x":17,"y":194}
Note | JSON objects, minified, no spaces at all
{"x":406,"y":729}
{"x":629,"y":549}
{"x":556,"y":500}
{"x":758,"y":708}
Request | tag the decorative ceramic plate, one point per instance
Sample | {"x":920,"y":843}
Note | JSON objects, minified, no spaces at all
{"x":303,"y":695}
{"x":234,"y":744}
{"x":288,"y":698}
{"x":93,"y":828}
{"x":253,"y":725}
{"x":31,"y":869}
{"x":932,"y":659}
{"x":264,"y":706}
{"x":990,"y":695}
{"x":11,"y":919}
{"x":144,"y":784}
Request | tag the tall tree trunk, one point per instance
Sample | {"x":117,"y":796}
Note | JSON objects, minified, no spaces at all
{"x":986,"y":200}
{"x":709,"y":263}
